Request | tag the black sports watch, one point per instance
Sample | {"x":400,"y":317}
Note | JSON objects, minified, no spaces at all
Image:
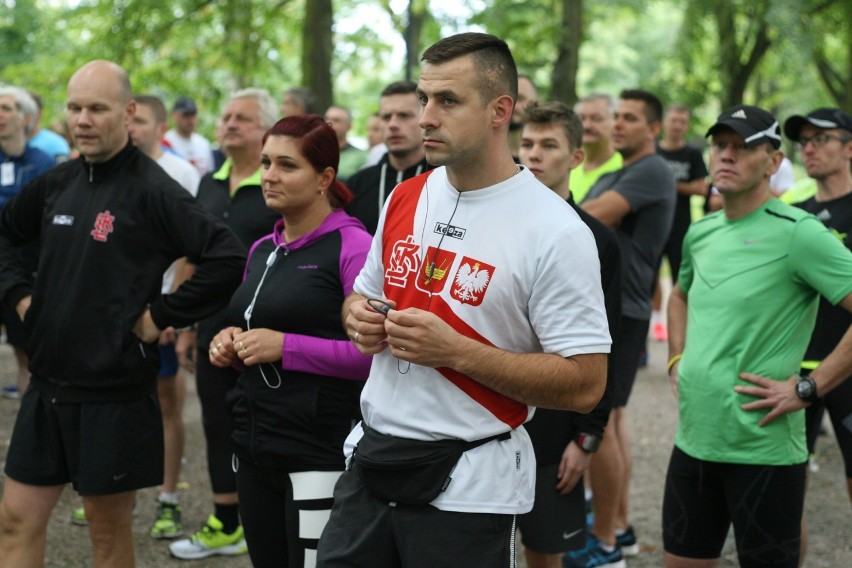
{"x":806,"y":389}
{"x":589,"y":443}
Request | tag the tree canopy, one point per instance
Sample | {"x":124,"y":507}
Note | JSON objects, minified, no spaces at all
{"x":787,"y":55}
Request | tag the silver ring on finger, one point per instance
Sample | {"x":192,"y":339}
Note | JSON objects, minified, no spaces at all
{"x":357,"y":337}
{"x":214,"y":351}
{"x":242,"y":347}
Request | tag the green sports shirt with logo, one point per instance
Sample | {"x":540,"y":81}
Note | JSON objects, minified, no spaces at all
{"x":752,"y":287}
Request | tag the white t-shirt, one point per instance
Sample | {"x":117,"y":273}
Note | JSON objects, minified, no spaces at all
{"x":375,"y":154}
{"x":517,"y":269}
{"x":196,"y":149}
{"x":182,"y":172}
{"x":783,"y":179}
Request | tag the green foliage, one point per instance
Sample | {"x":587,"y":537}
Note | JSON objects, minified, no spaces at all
{"x":19,"y":22}
{"x":208,"y":48}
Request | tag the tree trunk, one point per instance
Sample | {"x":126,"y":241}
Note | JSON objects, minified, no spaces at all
{"x":316,"y":52}
{"x":564,"y":81}
{"x":417,"y":15}
{"x":735,"y":65}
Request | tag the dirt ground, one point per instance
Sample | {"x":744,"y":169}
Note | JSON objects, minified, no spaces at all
{"x":652,"y":413}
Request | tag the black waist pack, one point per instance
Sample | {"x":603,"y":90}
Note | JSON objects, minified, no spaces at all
{"x":410,"y":472}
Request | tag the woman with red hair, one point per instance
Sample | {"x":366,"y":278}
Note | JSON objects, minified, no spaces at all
{"x":298,"y":395}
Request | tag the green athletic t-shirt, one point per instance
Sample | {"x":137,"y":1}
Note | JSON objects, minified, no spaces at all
{"x":582,"y":181}
{"x":752,"y":288}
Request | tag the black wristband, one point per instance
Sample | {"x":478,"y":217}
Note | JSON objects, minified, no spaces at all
{"x":589,"y":443}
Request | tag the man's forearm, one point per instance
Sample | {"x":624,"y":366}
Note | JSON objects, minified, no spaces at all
{"x":694,"y":187}
{"x":836,"y":367}
{"x":540,"y":379}
{"x":677,"y":308}
{"x":351,"y":299}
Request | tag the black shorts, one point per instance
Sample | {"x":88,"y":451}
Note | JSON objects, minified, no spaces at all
{"x":624,"y":358}
{"x":557,"y":523}
{"x":101,"y":449}
{"x":168,"y":361}
{"x":764,"y":503}
{"x":364,"y":531}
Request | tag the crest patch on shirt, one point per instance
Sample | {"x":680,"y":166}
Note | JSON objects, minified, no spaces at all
{"x":433,"y":273}
{"x":103,"y":226}
{"x":471,"y":281}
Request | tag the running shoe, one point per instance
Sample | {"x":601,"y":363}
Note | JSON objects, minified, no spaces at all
{"x":78,"y":517}
{"x":211,"y":540}
{"x":627,"y":542}
{"x":593,"y":556}
{"x":167,"y":523}
{"x":11,"y":391}
{"x":660,"y":332}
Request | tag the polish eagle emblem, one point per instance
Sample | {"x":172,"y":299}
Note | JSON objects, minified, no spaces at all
{"x":471,"y":281}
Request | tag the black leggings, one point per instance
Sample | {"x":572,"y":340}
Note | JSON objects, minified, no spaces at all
{"x":213,"y":384}
{"x":283,"y":514}
{"x":839,"y":405}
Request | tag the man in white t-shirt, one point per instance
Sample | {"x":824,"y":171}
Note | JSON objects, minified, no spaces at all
{"x":185,"y":141}
{"x":491,"y":315}
{"x":146,"y":131}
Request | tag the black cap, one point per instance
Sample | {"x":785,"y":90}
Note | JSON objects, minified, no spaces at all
{"x":185,"y":105}
{"x":753,"y":123}
{"x":821,"y":118}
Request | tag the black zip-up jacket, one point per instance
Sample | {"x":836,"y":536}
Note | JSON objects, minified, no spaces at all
{"x":108,"y":232}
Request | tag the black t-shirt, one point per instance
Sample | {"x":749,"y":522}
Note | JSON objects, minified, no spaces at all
{"x":687,"y":165}
{"x":832,"y":321}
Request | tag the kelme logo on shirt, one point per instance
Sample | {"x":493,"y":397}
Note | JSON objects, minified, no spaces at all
{"x":103,"y":226}
{"x":449,"y":230}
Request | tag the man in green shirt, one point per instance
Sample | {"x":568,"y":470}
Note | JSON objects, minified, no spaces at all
{"x":740,"y":319}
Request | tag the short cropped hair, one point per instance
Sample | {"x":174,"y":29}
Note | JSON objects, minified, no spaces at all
{"x":24,"y":102}
{"x":678,"y":107}
{"x":599,"y":96}
{"x":556,"y":113}
{"x":267,"y":108}
{"x":399,"y":88}
{"x":155,"y":104}
{"x":496,"y":71}
{"x":305,"y":97}
{"x":653,"y":106}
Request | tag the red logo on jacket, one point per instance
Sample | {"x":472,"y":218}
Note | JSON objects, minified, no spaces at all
{"x":103,"y":226}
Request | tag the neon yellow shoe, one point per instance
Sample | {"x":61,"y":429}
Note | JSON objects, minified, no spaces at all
{"x":210,"y":541}
{"x":167,"y":524}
